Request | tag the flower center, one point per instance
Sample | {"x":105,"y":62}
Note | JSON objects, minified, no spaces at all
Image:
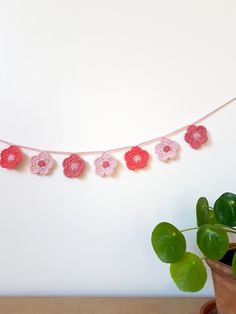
{"x":137,"y":158}
{"x":196,"y":136}
{"x":105,"y":164}
{"x":74,"y":166}
{"x":166,"y":148}
{"x":41,"y":163}
{"x":11,"y":157}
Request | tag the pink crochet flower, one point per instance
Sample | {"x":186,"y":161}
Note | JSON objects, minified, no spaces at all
{"x":136,"y":158}
{"x":73,"y":166}
{"x":167,"y":149}
{"x":105,"y":165}
{"x":196,"y":135}
{"x":11,"y":157}
{"x":42,"y":163}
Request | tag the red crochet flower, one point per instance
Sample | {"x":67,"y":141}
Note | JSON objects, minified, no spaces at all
{"x":136,"y":158}
{"x":73,"y":166}
{"x":11,"y":157}
{"x":196,"y":135}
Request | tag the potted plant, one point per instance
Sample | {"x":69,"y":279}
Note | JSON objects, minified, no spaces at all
{"x":186,"y":268}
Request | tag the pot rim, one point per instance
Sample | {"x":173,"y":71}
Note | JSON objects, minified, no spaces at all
{"x":222,"y":268}
{"x":208,"y":306}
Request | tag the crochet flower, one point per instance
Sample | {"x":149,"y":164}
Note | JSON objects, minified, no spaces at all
{"x":196,"y":135}
{"x":73,"y":166}
{"x":42,"y":163}
{"x":105,"y":165}
{"x":11,"y":157}
{"x":136,"y":158}
{"x":167,"y":149}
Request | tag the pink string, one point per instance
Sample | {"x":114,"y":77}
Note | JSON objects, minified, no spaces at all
{"x":120,"y":149}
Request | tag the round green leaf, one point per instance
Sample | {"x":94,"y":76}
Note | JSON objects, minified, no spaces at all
{"x":234,"y":265}
{"x":202,"y":209}
{"x":211,"y":218}
{"x":189,"y":274}
{"x":225,"y":209}
{"x":168,"y":242}
{"x":212,"y":241}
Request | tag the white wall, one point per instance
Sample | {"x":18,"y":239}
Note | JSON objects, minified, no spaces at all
{"x":84,"y":75}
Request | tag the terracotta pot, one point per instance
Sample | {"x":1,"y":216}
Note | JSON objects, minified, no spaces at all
{"x":209,"y":308}
{"x":224,"y":285}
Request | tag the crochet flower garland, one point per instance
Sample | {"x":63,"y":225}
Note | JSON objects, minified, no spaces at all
{"x":42,"y":163}
{"x":166,"y":149}
{"x":136,"y":158}
{"x":73,"y":166}
{"x":196,"y":136}
{"x":104,"y":165}
{"x":11,"y":157}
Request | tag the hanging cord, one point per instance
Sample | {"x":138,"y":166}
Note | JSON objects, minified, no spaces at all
{"x":120,"y":149}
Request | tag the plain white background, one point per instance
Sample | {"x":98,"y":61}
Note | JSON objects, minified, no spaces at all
{"x":85,"y":75}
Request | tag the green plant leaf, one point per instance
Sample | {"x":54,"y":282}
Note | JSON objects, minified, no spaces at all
{"x":212,"y":241}
{"x":202,"y":209}
{"x":168,"y":242}
{"x":211,"y":217}
{"x":234,"y":265}
{"x":189,"y":274}
{"x":225,"y":209}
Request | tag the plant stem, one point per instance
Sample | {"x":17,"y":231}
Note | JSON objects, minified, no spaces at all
{"x":189,"y":229}
{"x":230,"y":231}
{"x":224,"y":227}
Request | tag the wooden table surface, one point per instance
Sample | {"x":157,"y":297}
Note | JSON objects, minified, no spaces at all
{"x":75,"y":305}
